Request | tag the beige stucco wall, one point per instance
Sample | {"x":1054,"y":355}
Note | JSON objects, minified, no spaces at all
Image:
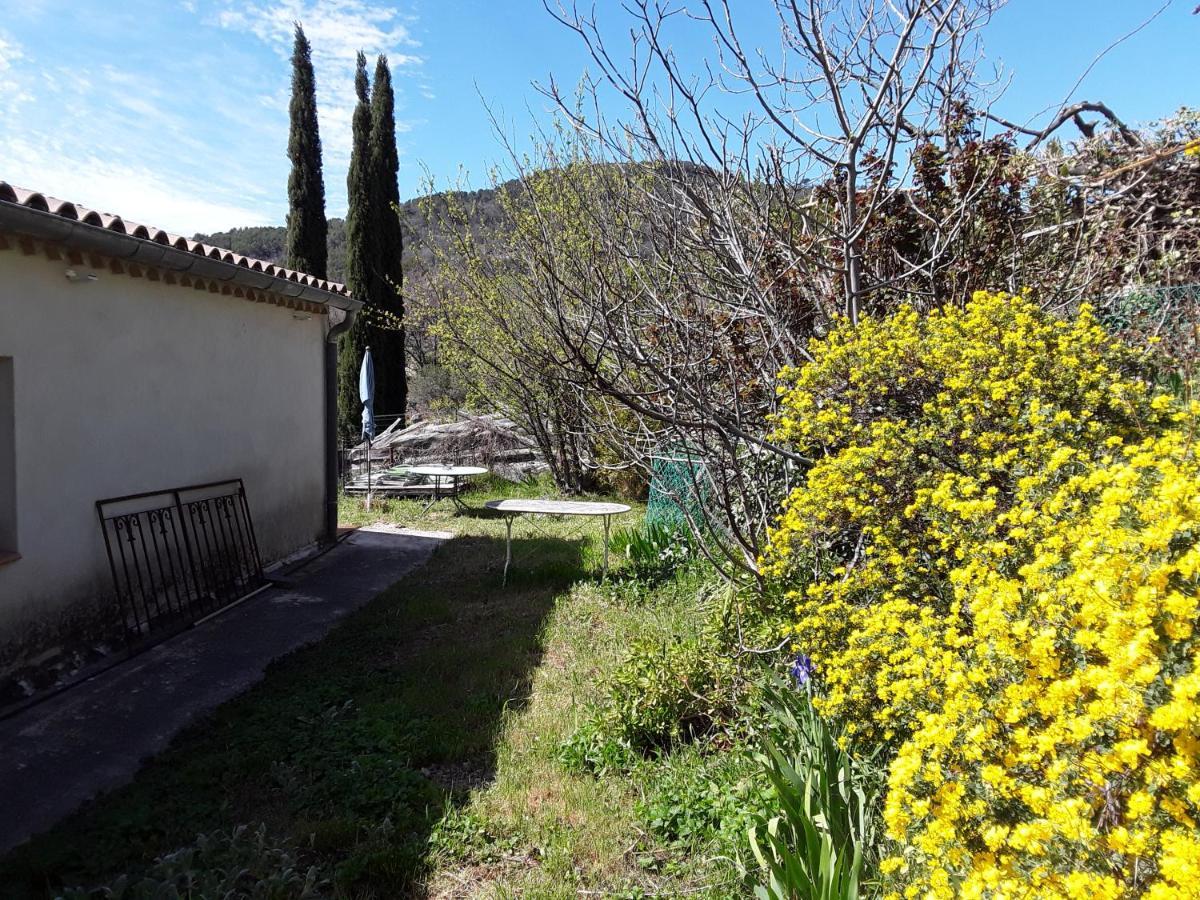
{"x":124,"y":385}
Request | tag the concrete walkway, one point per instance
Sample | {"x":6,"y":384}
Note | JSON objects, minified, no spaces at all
{"x":94,"y":737}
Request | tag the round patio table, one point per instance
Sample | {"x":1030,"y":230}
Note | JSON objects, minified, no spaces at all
{"x":510,"y":509}
{"x":453,"y":473}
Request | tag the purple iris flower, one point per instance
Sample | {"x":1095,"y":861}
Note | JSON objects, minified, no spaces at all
{"x":803,"y":670}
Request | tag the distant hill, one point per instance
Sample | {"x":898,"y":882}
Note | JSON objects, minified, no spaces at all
{"x":266,"y":242}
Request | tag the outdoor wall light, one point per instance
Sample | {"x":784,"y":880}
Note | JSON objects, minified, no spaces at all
{"x":74,"y":276}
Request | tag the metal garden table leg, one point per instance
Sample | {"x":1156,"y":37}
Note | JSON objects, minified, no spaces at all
{"x":454,"y":496}
{"x":606,"y":518}
{"x":437,"y":493}
{"x":508,"y":520}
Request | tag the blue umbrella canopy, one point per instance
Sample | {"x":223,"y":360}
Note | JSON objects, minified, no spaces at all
{"x":366,"y":394}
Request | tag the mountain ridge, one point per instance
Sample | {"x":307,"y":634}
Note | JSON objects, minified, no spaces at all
{"x":266,"y":242}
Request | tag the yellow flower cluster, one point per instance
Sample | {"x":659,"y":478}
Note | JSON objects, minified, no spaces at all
{"x":1005,"y":523}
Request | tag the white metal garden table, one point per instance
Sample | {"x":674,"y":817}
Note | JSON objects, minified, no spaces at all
{"x":510,"y":509}
{"x":453,"y":474}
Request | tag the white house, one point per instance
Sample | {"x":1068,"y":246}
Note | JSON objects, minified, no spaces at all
{"x":131,"y":361}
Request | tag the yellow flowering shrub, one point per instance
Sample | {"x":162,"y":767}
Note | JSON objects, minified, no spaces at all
{"x":1000,"y":533}
{"x":922,"y":427}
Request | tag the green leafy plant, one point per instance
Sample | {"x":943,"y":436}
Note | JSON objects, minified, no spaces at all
{"x":591,"y":748}
{"x":654,"y":548}
{"x":705,"y":798}
{"x":245,"y":863}
{"x":666,"y":693}
{"x":465,"y":835}
{"x":818,"y":844}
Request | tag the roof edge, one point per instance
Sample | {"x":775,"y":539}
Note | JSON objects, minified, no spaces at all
{"x":179,"y":255}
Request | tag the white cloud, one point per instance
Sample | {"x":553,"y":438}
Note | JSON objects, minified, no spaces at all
{"x":135,"y":192}
{"x":10,"y":52}
{"x":64,"y":79}
{"x":13,"y":91}
{"x":337,"y":31}
{"x":111,"y":139}
{"x":208,"y":156}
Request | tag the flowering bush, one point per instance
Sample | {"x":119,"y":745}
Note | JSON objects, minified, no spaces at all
{"x":1003,"y":523}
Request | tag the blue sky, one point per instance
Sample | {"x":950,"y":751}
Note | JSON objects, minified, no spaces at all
{"x":174,"y":112}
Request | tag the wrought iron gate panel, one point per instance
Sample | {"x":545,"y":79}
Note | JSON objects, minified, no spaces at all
{"x":180,"y":554}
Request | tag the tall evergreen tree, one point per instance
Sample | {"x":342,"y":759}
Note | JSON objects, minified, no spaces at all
{"x":306,"y":248}
{"x":388,"y":280}
{"x":360,"y":254}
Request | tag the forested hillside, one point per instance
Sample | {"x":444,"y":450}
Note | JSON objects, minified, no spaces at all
{"x":266,"y":242}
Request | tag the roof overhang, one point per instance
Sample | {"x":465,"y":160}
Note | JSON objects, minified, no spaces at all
{"x":199,"y":260}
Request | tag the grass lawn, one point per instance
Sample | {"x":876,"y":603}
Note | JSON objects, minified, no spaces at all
{"x":415,"y":750}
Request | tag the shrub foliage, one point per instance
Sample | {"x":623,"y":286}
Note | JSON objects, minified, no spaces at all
{"x":994,"y":565}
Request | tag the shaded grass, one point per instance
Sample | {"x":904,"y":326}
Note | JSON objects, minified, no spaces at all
{"x":353,"y":747}
{"x":415,"y":751}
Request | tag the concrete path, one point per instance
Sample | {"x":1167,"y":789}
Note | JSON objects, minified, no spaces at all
{"x":94,"y":737}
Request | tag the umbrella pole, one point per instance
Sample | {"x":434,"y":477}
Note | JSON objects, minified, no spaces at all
{"x":368,"y":470}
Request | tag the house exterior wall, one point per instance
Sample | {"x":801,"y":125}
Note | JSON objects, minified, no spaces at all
{"x":124,"y":385}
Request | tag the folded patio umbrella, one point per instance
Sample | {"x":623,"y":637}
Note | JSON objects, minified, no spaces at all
{"x":366,"y":395}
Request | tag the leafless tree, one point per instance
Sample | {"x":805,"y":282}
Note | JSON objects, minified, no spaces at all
{"x":722,"y":244}
{"x":493,"y":332}
{"x":832,"y":118}
{"x":664,"y":268}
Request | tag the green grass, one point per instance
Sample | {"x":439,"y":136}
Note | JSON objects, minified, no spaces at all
{"x":414,"y":751}
{"x":571,"y":831}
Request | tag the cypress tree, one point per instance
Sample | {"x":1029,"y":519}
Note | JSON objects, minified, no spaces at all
{"x":388,"y":277}
{"x":306,"y":248}
{"x":359,"y":259}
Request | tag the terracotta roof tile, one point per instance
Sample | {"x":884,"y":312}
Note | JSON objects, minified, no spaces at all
{"x":64,"y":209}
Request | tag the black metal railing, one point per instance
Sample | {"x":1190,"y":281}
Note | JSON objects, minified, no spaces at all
{"x":179,"y":555}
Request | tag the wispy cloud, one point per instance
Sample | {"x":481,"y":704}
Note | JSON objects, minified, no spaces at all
{"x":180,"y":204}
{"x":337,"y":30}
{"x":108,"y":113}
{"x":13,"y":94}
{"x":10,"y":52}
{"x":111,"y":139}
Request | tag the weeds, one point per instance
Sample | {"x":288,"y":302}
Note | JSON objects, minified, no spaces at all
{"x":654,"y":550}
{"x":245,"y":863}
{"x":341,"y":748}
{"x":703,"y":799}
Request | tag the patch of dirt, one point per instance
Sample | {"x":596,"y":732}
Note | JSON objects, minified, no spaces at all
{"x":470,"y":881}
{"x":464,"y":775}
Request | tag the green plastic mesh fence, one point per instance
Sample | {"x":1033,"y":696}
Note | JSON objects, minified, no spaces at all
{"x":678,"y":489}
{"x":1173,"y":313}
